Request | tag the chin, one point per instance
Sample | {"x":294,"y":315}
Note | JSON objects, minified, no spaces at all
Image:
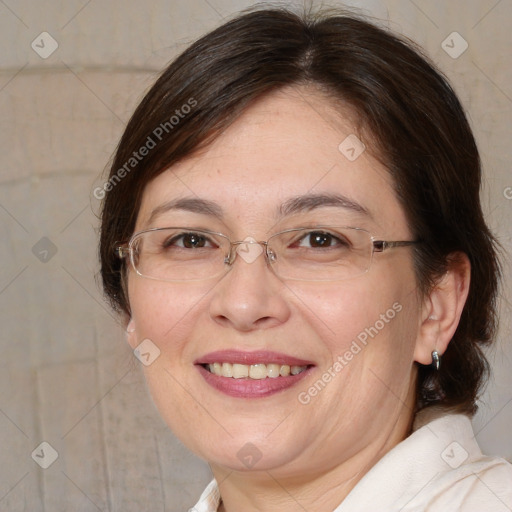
{"x":246,"y":450}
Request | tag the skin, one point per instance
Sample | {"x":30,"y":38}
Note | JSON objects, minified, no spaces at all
{"x":283,"y":146}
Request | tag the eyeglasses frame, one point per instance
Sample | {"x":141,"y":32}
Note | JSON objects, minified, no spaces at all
{"x":124,"y":249}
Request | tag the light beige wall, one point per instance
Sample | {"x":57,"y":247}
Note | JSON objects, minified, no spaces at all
{"x":67,"y":376}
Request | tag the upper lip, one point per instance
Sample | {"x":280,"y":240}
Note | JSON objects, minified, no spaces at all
{"x":249,"y":358}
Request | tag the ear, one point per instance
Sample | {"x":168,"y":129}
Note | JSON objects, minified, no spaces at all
{"x":441,"y":309}
{"x":131,"y":336}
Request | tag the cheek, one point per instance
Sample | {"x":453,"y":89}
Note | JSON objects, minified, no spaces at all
{"x":366,"y":335}
{"x":369,"y":339}
{"x":367,"y":331}
{"x":165,"y":312}
{"x":350,"y":310}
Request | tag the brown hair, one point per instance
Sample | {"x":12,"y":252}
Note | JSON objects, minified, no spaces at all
{"x":405,"y":107}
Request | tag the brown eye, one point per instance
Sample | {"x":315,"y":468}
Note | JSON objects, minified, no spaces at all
{"x":188,"y":241}
{"x":193,"y":240}
{"x":321,"y":240}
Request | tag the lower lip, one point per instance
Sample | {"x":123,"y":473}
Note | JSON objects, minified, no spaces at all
{"x":251,"y":388}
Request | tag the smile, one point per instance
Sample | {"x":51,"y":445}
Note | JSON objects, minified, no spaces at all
{"x":254,"y":371}
{"x":256,"y":374}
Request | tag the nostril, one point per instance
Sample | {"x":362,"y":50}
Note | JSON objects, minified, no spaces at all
{"x":263,"y":322}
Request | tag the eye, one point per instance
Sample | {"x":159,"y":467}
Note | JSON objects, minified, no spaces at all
{"x":321,"y":240}
{"x":189,"y":240}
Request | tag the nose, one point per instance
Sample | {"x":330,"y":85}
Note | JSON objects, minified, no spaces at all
{"x":249,"y":296}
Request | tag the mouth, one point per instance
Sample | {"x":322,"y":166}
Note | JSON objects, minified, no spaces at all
{"x":254,"y":371}
{"x":252,"y":374}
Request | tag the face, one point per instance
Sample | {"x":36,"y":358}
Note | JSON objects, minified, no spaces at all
{"x":352,"y":341}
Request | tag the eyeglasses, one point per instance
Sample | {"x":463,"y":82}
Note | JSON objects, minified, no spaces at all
{"x":320,"y":253}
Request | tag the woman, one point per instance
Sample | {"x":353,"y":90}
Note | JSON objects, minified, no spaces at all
{"x":293,"y":234}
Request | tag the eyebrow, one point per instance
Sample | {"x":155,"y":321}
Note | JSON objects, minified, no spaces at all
{"x":190,"y":204}
{"x":294,"y":205}
{"x":308,"y":202}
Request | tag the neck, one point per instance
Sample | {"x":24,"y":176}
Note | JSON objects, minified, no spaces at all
{"x":266,"y":492}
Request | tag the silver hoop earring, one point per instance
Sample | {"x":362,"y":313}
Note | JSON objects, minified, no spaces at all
{"x":436,"y":360}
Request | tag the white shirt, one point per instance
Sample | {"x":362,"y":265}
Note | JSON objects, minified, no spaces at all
{"x":438,"y":468}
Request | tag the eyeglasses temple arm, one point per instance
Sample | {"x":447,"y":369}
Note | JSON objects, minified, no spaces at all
{"x":382,"y":245}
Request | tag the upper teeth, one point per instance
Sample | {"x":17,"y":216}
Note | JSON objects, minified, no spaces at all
{"x":254,"y":371}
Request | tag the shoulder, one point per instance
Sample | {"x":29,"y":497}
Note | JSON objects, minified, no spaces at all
{"x":438,"y":468}
{"x":465,"y":480}
{"x":483,"y":485}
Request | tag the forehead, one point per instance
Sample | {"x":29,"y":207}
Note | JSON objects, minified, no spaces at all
{"x":291,"y":143}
